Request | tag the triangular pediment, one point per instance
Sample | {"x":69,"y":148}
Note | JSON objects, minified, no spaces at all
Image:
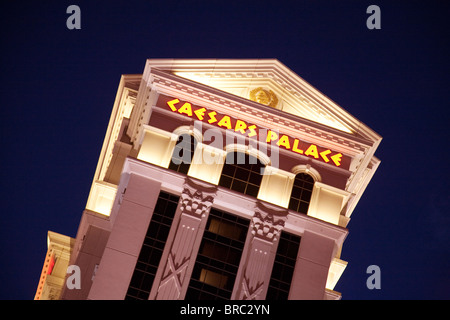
{"x":269,"y":82}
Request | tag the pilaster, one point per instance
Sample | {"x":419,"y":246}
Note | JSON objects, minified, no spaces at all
{"x":311,"y":269}
{"x":266,"y":225}
{"x":184,"y":240}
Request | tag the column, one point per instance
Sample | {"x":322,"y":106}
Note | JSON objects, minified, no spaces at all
{"x":125,"y":241}
{"x":266,"y":226}
{"x":311,"y":270}
{"x":184,"y":240}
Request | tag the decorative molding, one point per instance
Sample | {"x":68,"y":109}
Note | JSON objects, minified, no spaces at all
{"x":230,"y":201}
{"x":264,"y":96}
{"x":250,"y":293}
{"x":267,"y":222}
{"x":196,"y":198}
{"x":196,"y":201}
{"x":173,"y":278}
{"x":163,"y":82}
{"x":226,"y":84}
{"x":302,"y":168}
{"x":266,"y":225}
{"x":356,"y":146}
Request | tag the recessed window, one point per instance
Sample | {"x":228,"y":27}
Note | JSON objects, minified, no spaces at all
{"x":283,"y":267}
{"x":242,"y":173}
{"x":301,"y":193}
{"x":218,"y":258}
{"x":183,"y":153}
{"x":152,"y":248}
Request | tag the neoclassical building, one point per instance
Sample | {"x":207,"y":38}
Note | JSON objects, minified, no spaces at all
{"x":218,"y":179}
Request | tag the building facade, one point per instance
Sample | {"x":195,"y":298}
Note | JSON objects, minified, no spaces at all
{"x":217,"y":179}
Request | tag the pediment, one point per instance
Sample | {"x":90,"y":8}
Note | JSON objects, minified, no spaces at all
{"x":269,"y":82}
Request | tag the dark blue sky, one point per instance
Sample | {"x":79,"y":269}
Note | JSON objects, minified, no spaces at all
{"x":58,"y":88}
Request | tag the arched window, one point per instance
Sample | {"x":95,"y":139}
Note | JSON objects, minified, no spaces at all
{"x":301,"y":193}
{"x":183,"y":153}
{"x":242,"y":172}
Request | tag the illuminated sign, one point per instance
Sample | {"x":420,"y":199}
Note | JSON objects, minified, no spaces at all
{"x":252,"y":131}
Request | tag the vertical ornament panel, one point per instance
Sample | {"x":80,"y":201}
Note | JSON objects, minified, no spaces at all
{"x":196,"y":201}
{"x":266,"y":225}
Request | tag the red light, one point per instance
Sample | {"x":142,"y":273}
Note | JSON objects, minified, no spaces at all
{"x":51,"y":264}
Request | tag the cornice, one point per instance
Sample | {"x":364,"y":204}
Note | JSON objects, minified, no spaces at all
{"x":254,"y":71}
{"x":360,"y":145}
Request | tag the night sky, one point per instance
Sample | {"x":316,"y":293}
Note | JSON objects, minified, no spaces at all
{"x":58,"y":88}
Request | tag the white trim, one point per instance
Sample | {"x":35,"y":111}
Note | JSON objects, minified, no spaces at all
{"x":302,"y":168}
{"x":261,"y":156}
{"x":189,"y":130}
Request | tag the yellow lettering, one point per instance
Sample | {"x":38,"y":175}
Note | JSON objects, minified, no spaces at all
{"x":186,"y":108}
{"x":323,"y":154}
{"x":271,"y":136}
{"x":295,"y":147}
{"x":312,"y":151}
{"x":240,"y":126}
{"x":200,"y":113}
{"x":172,"y":103}
{"x":337,"y":158}
{"x":284,"y":141}
{"x":252,"y":129}
{"x":225,"y":122}
{"x":212,"y":117}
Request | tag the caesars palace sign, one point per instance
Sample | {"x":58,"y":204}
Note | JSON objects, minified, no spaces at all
{"x":249,"y":130}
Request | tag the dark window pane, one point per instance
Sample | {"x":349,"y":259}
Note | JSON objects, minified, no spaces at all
{"x":252,"y":190}
{"x":306,"y":195}
{"x":238,"y":186}
{"x":296,"y":192}
{"x":303,"y":207}
{"x":218,"y":258}
{"x":225,"y":182}
{"x":228,"y":170}
{"x":255,"y":178}
{"x":301,"y":193}
{"x":283,"y":268}
{"x":151,"y":251}
{"x":239,"y":171}
{"x":242,"y":174}
{"x":183,"y":153}
{"x":293,"y":204}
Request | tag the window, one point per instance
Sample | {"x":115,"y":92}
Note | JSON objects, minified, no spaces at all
{"x":283,"y":267}
{"x":218,"y":257}
{"x":152,"y":248}
{"x":183,"y":153}
{"x":301,"y":193}
{"x":242,"y":172}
